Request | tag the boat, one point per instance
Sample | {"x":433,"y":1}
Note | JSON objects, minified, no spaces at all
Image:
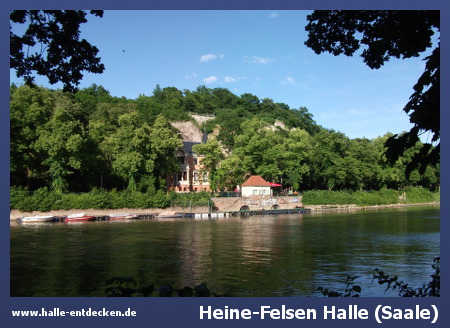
{"x":37,"y":218}
{"x":122,"y":216}
{"x":79,"y":217}
{"x":170,"y":215}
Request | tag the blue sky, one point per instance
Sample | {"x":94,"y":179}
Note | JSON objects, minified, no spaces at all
{"x":258,"y":52}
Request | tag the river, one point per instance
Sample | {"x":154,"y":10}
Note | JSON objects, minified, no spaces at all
{"x":285,"y":255}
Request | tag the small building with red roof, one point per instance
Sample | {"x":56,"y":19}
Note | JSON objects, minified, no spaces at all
{"x":255,"y":186}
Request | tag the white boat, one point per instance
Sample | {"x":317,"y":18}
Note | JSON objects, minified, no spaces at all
{"x":37,"y":218}
{"x":170,"y":215}
{"x":121,"y":216}
{"x":79,"y":217}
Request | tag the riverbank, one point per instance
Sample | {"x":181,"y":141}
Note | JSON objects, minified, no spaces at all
{"x":15,"y":214}
{"x":338,"y":208}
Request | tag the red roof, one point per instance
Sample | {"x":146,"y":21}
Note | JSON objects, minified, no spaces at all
{"x":256,"y":181}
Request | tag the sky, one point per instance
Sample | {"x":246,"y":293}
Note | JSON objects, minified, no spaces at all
{"x":258,"y":52}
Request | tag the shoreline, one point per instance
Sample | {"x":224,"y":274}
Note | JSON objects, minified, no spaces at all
{"x":343,"y":208}
{"x":15,"y":214}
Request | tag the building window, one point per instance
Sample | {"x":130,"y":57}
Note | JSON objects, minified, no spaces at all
{"x":184,"y":176}
{"x":195,"y":176}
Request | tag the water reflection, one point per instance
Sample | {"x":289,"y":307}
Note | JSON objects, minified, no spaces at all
{"x":287,"y":255}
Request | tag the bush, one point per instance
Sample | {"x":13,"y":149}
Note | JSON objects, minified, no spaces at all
{"x":365,"y":198}
{"x":40,"y":200}
{"x":45,"y":200}
{"x":160,"y":200}
{"x":16,"y":197}
{"x":420,"y":195}
{"x":189,"y":199}
{"x":126,"y":286}
{"x":431,"y":289}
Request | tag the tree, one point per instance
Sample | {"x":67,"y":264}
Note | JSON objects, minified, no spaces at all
{"x":51,"y":46}
{"x":250,"y":102}
{"x":89,"y":98}
{"x":213,"y":155}
{"x":62,"y":140}
{"x":30,"y":109}
{"x":169,"y":101}
{"x":385,"y":34}
{"x":130,"y":150}
{"x":296,"y":159}
{"x":329,"y":166}
{"x":367,"y":168}
{"x":230,"y":173}
{"x":164,"y":143}
{"x":229,"y":121}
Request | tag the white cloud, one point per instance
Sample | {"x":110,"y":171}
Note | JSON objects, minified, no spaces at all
{"x":210,"y":79}
{"x":229,"y":79}
{"x":208,"y":57}
{"x":288,"y":81}
{"x":273,"y":15}
{"x":258,"y":60}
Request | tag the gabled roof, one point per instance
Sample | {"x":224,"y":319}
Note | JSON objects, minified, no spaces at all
{"x":256,"y":181}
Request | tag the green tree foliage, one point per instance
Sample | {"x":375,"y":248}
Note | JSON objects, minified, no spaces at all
{"x":164,"y":142}
{"x":384,"y":34}
{"x":138,"y":150}
{"x":230,"y":173}
{"x":30,"y":110}
{"x":51,"y":46}
{"x":89,"y":98}
{"x":130,"y":149}
{"x":297,"y":152}
{"x":212,"y":157}
{"x":88,"y":140}
{"x":329,"y":160}
{"x":61,"y":140}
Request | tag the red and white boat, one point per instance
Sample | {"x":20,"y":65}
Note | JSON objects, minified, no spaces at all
{"x":122,"y":216}
{"x":76,"y":217}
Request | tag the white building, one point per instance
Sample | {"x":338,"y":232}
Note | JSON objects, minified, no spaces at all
{"x":255,"y":186}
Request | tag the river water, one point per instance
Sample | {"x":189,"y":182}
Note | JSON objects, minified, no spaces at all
{"x":285,"y":255}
